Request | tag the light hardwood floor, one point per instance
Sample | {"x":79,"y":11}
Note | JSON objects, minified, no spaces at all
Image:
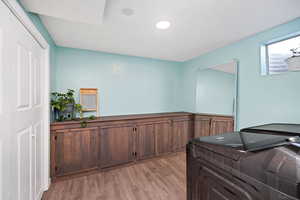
{"x":157,"y":179}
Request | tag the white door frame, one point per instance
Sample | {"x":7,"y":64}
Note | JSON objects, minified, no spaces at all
{"x":23,"y":18}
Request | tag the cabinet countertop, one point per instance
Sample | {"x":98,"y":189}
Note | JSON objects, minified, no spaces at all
{"x":126,"y":117}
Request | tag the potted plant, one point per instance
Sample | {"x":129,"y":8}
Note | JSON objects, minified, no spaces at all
{"x":294,"y":61}
{"x":78,"y":109}
{"x":64,"y":106}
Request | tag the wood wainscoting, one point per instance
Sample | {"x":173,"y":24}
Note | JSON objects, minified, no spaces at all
{"x":109,"y":142}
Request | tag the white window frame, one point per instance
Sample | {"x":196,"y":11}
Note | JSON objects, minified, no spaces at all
{"x":264,"y":55}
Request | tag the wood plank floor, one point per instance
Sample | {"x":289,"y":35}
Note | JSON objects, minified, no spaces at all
{"x":157,"y":179}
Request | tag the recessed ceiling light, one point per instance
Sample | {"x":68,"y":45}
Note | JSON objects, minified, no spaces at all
{"x":163,"y":25}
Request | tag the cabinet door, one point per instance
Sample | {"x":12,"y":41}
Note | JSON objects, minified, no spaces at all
{"x":145,"y":144}
{"x":74,"y":150}
{"x":221,"y":125}
{"x":180,"y":134}
{"x":202,"y":126}
{"x":163,"y":139}
{"x":116,"y":146}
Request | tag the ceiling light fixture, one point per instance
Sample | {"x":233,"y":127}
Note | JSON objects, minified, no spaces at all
{"x":163,"y":25}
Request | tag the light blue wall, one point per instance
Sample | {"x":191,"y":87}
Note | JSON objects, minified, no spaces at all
{"x":215,"y":92}
{"x":262,"y":99}
{"x":145,"y":85}
{"x":126,"y":84}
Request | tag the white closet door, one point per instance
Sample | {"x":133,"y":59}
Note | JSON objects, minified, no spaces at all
{"x":21,"y":110}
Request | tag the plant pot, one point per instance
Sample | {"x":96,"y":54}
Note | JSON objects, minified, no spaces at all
{"x":69,"y":111}
{"x":293,"y":63}
{"x":69,"y":108}
{"x":67,"y":114}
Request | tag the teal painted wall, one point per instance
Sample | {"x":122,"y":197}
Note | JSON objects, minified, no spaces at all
{"x":126,"y":84}
{"x":262,"y":99}
{"x":215,"y":92}
{"x":142,"y":85}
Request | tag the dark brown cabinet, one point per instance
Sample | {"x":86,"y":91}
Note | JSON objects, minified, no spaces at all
{"x":116,"y":145}
{"x":118,"y":140}
{"x":207,"y":125}
{"x":202,"y":126}
{"x":221,"y":125}
{"x":145,"y":141}
{"x":74,"y":150}
{"x":163,"y":139}
{"x":181,"y":130}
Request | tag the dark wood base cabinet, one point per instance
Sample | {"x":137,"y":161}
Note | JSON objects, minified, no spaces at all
{"x":108,"y":142}
{"x":208,"y":125}
{"x":74,"y":150}
{"x":116,"y":146}
{"x":145,"y":141}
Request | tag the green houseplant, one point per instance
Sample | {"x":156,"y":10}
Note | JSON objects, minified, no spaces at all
{"x":78,"y":109}
{"x":64,"y":106}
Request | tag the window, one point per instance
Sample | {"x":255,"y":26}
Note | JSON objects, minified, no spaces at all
{"x":275,"y":55}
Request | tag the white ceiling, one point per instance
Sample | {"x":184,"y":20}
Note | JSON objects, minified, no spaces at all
{"x":197,"y":26}
{"x":80,"y":11}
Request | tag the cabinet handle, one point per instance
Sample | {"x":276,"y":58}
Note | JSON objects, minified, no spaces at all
{"x":134,"y":154}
